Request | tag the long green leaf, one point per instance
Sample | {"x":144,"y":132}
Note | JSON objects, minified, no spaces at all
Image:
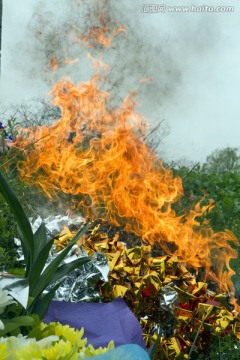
{"x":40,"y":307}
{"x":40,"y":239}
{"x":21,"y":218}
{"x":12,"y":324}
{"x":3,"y":142}
{"x":48,"y":273}
{"x":154,"y":349}
{"x":39,"y":264}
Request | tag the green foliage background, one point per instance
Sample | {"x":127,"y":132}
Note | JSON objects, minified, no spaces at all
{"x":219,"y":181}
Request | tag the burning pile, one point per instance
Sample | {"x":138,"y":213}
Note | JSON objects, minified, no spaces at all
{"x":172,"y":306}
{"x":99,"y":155}
{"x":162,"y":293}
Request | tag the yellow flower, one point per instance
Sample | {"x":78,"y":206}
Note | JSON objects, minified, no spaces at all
{"x":90,"y":351}
{"x":72,"y":335}
{"x":60,"y":351}
{"x":32,"y":351}
{"x":3,"y":352}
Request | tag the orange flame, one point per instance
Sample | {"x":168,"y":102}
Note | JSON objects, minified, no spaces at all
{"x":70,"y":61}
{"x":101,"y":34}
{"x":99,"y":155}
{"x":53,"y":64}
{"x":120,"y":29}
{"x":145,"y":80}
{"x":97,"y":34}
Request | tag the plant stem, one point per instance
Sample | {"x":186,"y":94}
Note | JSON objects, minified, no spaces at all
{"x":197,"y":334}
{"x":3,"y":143}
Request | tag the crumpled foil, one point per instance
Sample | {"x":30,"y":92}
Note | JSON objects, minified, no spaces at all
{"x":81,"y":284}
{"x":19,"y":249}
{"x":55,"y":224}
{"x":169,"y":298}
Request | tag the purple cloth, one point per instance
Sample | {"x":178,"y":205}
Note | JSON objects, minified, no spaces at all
{"x":102,"y":322}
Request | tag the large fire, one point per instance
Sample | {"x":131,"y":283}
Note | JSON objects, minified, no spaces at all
{"x":99,"y":154}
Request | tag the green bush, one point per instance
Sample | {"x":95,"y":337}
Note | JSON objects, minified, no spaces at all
{"x":222,"y":347}
{"x":34,"y":203}
{"x":224,"y":188}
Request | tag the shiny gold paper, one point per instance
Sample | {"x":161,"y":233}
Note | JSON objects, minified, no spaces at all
{"x":163,"y":294}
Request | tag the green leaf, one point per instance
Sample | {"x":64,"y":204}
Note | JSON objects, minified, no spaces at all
{"x":21,"y":218}
{"x":40,"y":307}
{"x":39,"y":264}
{"x":154,"y":349}
{"x":12,"y":324}
{"x":18,"y":288}
{"x":40,"y":240}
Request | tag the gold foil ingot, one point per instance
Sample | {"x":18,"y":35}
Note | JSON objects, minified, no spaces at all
{"x":119,"y":290}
